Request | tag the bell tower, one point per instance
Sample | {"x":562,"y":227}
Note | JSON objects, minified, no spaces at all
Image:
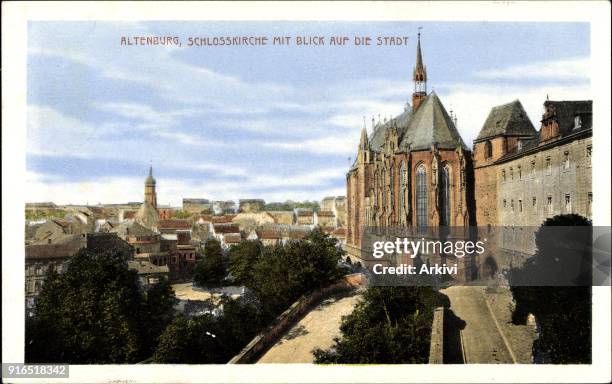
{"x":419,"y":76}
{"x":150,"y":194}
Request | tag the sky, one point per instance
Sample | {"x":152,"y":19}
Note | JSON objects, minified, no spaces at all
{"x":271,"y":122}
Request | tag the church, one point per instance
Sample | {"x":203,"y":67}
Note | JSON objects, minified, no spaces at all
{"x":414,"y":171}
{"x":414,"y":175}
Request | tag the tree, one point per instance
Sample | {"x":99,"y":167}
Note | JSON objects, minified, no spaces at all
{"x":160,"y":302}
{"x":283,"y":273}
{"x":391,"y":325}
{"x":555,"y":286}
{"x":94,"y":313}
{"x":180,"y":214}
{"x":207,"y":339}
{"x":210,"y":271}
{"x":242,"y":257}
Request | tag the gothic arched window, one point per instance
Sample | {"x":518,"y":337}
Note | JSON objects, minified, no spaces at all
{"x":383,"y":188}
{"x":445,"y":196}
{"x":421,"y":196}
{"x":391,"y":190}
{"x":403,"y":186}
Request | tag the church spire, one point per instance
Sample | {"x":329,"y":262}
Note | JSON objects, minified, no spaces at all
{"x":419,"y":76}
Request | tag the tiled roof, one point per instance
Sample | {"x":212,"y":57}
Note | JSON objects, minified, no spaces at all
{"x":565,"y":112}
{"x":55,"y":251}
{"x":325,"y":213}
{"x":341,"y":231}
{"x":132,"y":229}
{"x":297,"y":235}
{"x":430,"y":124}
{"x":507,"y":119}
{"x":222,"y":219}
{"x":232,"y":238}
{"x":174,"y":224}
{"x":127,"y":215}
{"x":268,"y":234}
{"x":226,"y":228}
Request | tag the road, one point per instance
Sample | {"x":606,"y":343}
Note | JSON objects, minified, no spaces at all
{"x":489,"y":337}
{"x":316,"y":329}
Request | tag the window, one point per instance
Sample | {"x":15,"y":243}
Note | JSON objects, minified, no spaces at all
{"x":577,"y":122}
{"x":589,"y":203}
{"x":403,"y":186}
{"x":391,"y":189}
{"x":548,"y":165}
{"x":534,"y":205}
{"x":520,"y":202}
{"x":520,"y":173}
{"x":504,"y":203}
{"x":568,"y":203}
{"x":503,"y":175}
{"x":549,"y":204}
{"x":533,"y":168}
{"x":488,"y":150}
{"x":511,"y":174}
{"x":512,"y":205}
{"x":519,"y":145}
{"x":421,"y":196}
{"x":589,"y":154}
{"x":445,"y":196}
{"x":566,"y":161}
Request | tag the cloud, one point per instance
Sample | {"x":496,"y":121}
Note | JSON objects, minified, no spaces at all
{"x":561,"y":70}
{"x":344,"y":145}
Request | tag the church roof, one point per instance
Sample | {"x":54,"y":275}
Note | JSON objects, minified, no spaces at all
{"x":565,"y":111}
{"x":420,"y":129}
{"x":377,"y":140}
{"x":429,"y":124}
{"x":150,"y":180}
{"x":507,"y":119}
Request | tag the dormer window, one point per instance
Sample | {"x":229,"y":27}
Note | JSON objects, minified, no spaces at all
{"x":577,"y":122}
{"x":519,"y":145}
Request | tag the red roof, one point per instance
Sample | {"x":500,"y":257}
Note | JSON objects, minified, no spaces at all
{"x":268,"y":234}
{"x":297,"y":235}
{"x":222,"y":218}
{"x":232,"y":238}
{"x":129,"y":214}
{"x":174,"y":224}
{"x":226,"y":228}
{"x":340,"y":231}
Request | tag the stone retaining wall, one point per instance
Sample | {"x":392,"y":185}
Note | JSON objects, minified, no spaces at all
{"x":262,"y":342}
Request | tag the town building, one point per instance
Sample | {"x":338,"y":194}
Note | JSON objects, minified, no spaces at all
{"x":41,"y":259}
{"x":149,"y":274}
{"x":304,"y":216}
{"x":524,"y":176}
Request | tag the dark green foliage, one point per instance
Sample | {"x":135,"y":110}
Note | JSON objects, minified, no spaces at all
{"x":562,"y":312}
{"x":209,"y":339}
{"x":282,"y":274}
{"x":181,"y":214}
{"x":210,"y":270}
{"x":391,"y":325}
{"x":95,"y":313}
{"x":242,"y":257}
{"x":160,"y":301}
{"x":44,"y":214}
{"x":290,"y":205}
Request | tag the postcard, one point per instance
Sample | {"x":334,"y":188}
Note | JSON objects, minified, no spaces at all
{"x":306,"y":192}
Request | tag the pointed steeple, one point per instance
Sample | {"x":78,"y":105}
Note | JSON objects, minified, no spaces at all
{"x":363,"y":141}
{"x":419,"y":76}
